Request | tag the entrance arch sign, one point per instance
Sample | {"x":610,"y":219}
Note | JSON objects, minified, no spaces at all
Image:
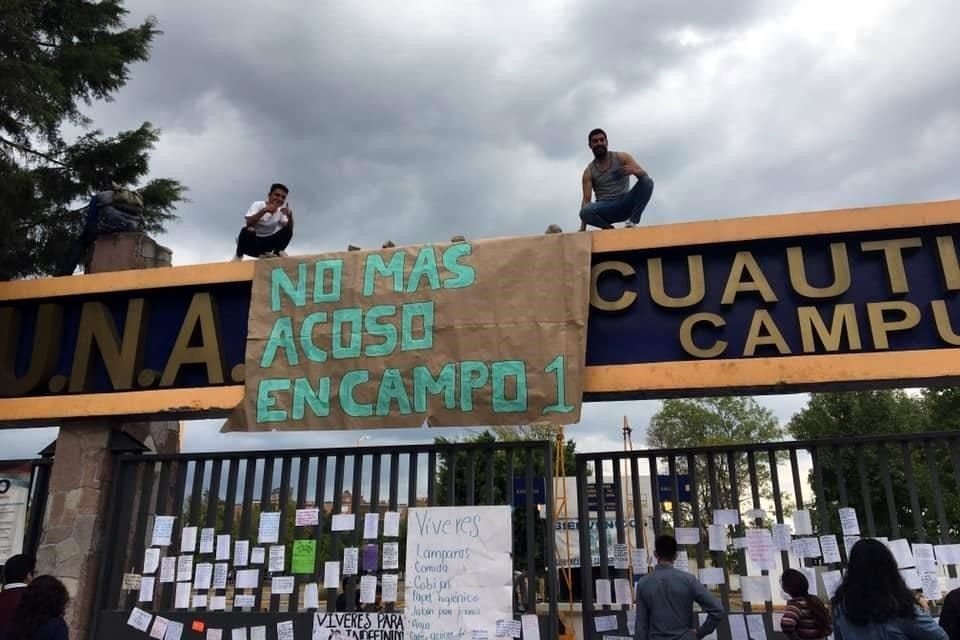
{"x":771,"y":304}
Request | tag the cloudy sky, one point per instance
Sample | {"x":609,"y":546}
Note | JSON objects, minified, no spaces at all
{"x":416,"y":121}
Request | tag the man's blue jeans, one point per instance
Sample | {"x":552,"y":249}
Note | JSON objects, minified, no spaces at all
{"x":627,"y":206}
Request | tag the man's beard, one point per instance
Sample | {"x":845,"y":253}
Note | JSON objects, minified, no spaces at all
{"x":599,"y":152}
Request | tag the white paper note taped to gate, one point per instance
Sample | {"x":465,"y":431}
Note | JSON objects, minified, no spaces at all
{"x":241,"y":553}
{"x":168,"y":569}
{"x":830,"y":548}
{"x":738,"y":627}
{"x":760,"y":548}
{"x":162,"y":530}
{"x":923,"y":556}
{"x":391,"y":524}
{"x":282,"y":585}
{"x":848,"y":521}
{"x":159,"y":628}
{"x":146,"y":589}
{"x":912,"y":578}
{"x":269,"y":527}
{"x":620,"y":555}
{"x":831,"y":580}
{"x":343,"y":522}
{"x":206,"y":540}
{"x":782,"y":536}
{"x":223,"y":547}
{"x":687,"y":535}
{"x":151,"y":560}
{"x":712,"y":575}
{"x":901,"y":551}
{"x":307,"y":517}
{"x":717,"y":535}
{"x":188,"y":540}
{"x":603,"y":592}
{"x":802,"y":526}
{"x":244,"y":601}
{"x":371,"y":526}
{"x":389,"y":582}
{"x":140,"y":619}
{"x":248,"y":578}
{"x":182,"y":599}
{"x":756,"y":628}
{"x":755,"y":589}
{"x":530,"y":626}
{"x":727,"y":517}
{"x":508,"y":629}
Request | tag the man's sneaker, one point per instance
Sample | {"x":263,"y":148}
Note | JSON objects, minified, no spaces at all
{"x":630,"y":224}
{"x":236,"y":259}
{"x":281,"y":254}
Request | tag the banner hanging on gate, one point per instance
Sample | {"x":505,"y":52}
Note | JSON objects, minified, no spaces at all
{"x":466,"y":333}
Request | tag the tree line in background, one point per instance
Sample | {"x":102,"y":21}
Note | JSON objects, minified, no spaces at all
{"x":54,"y":58}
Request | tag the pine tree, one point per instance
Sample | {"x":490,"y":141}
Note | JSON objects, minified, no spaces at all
{"x":56,"y":56}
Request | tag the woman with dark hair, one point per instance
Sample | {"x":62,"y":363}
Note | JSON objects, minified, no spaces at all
{"x":805,"y":617}
{"x":40,"y":613}
{"x":873,"y":601}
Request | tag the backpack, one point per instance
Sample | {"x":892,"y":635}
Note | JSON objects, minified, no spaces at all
{"x":119,"y":210}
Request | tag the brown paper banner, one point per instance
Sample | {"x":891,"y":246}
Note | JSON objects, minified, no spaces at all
{"x":469,"y":333}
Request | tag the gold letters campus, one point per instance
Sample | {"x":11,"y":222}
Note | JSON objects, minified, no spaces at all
{"x":822,"y":328}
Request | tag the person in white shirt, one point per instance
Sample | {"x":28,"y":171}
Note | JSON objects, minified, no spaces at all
{"x":269,"y":226}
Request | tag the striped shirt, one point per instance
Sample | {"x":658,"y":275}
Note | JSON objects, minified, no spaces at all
{"x":799,"y":622}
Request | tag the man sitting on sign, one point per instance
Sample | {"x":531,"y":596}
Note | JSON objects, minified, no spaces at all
{"x":269,"y":226}
{"x":608,"y":177}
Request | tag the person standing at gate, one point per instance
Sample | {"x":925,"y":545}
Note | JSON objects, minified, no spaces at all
{"x":608,"y":178}
{"x":17,"y":573}
{"x":269,"y":226}
{"x":665,"y":600}
{"x":873,"y":601}
{"x":805,"y":616}
{"x":40,"y":613}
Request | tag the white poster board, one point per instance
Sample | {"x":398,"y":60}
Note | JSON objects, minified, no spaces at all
{"x":14,"y":494}
{"x":357,"y":626}
{"x":459,"y":572}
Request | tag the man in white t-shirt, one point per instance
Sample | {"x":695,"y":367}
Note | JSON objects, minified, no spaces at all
{"x":269,"y":226}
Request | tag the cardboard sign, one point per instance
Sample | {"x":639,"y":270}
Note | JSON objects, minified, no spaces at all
{"x":468,"y":333}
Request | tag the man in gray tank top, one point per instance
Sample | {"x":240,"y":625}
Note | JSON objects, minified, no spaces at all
{"x":608,"y":177}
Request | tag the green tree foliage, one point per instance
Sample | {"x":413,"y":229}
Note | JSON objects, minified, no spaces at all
{"x":55,"y":57}
{"x":707,"y":422}
{"x":865,"y":413}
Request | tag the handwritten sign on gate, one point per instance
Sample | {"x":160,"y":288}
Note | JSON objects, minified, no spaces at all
{"x":459,"y":571}
{"x":488,"y":332}
{"x":357,"y":626}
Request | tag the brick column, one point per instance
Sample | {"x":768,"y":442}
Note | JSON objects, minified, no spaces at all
{"x":83,"y":464}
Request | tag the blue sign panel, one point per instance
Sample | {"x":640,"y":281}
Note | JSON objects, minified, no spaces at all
{"x":520,"y":492}
{"x":847,"y":293}
{"x":665,"y":488}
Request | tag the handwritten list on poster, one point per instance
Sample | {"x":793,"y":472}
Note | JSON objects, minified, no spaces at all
{"x":458,"y":571}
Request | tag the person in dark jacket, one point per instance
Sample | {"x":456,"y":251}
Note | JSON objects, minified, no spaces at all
{"x":17,"y":572}
{"x":40,"y":614}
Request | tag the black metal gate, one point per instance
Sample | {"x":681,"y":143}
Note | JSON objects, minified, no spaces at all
{"x":903,"y":486}
{"x":228,"y":491}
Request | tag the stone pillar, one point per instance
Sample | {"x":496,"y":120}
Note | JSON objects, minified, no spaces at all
{"x":83,"y":463}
